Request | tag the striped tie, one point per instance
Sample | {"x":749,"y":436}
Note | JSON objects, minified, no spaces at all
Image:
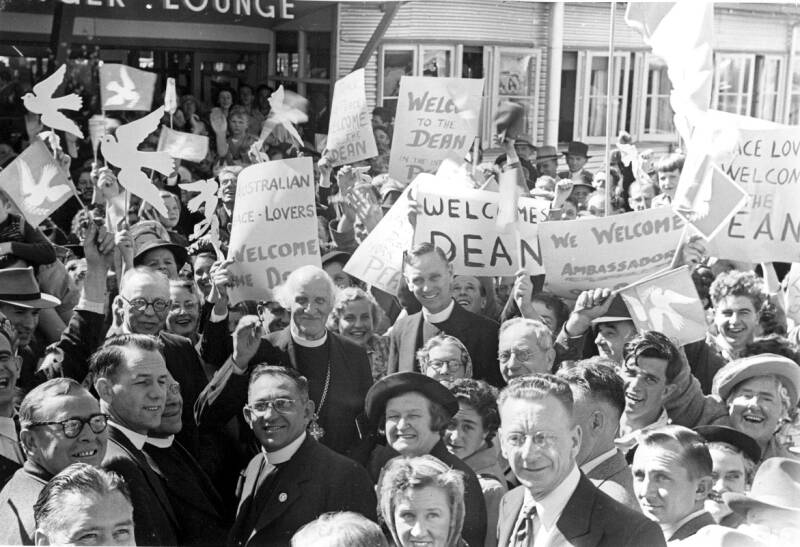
{"x":524,"y":534}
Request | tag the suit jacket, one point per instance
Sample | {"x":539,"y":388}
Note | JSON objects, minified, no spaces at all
{"x":16,"y":504}
{"x":351,"y":378}
{"x":590,"y":519}
{"x":7,"y":469}
{"x":614,"y":477}
{"x":197,"y":505}
{"x":476,"y":332}
{"x":154,"y":520}
{"x":474,"y":530}
{"x":314,"y":481}
{"x":690,"y":528}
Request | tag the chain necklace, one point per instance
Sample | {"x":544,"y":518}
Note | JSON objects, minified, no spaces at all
{"x":314,"y":429}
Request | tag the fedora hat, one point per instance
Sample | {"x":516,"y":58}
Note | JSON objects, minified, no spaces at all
{"x":335,"y":256}
{"x":764,"y":364}
{"x":18,"y":287}
{"x":775,"y":486}
{"x":618,"y":311}
{"x":734,"y":437}
{"x":577,"y":148}
{"x":399,"y":383}
{"x":149,"y":235}
{"x":546,"y":153}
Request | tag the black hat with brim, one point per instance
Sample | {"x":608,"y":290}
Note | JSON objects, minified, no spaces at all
{"x":399,"y":383}
{"x":733,"y":437}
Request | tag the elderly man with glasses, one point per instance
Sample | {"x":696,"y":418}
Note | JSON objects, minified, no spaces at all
{"x":61,"y":424}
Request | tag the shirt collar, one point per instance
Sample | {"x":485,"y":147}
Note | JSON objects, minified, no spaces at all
{"x":305,"y":342}
{"x":284,"y":454}
{"x":629,"y":438}
{"x":550,"y":507}
{"x":8,"y":428}
{"x":438,"y":317}
{"x":594,"y":462}
{"x":670,"y":529}
{"x":161,"y":442}
{"x":137,"y":439}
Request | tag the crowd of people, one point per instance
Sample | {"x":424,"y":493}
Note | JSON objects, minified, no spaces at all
{"x":139,"y":405}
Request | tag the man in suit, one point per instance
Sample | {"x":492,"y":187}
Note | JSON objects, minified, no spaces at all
{"x":294,"y":479}
{"x":11,"y":457}
{"x":198,"y":507}
{"x":599,"y":397}
{"x":61,"y":424}
{"x":131,"y":378}
{"x":672,"y":479}
{"x":429,"y":276}
{"x":556,"y":503}
{"x":338,"y":371}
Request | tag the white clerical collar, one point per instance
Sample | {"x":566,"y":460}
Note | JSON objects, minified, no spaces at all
{"x":550,"y":507}
{"x":8,"y":429}
{"x":137,"y":439}
{"x":284,"y":454}
{"x":161,"y":442}
{"x":594,"y":462}
{"x":670,"y":529}
{"x":440,"y":316}
{"x":305,"y":342}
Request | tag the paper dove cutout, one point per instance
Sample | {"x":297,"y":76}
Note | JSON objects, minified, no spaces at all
{"x":209,"y":198}
{"x":664,"y":306}
{"x":124,"y":92}
{"x":41,"y":101}
{"x":37,"y":193}
{"x":287,"y":110}
{"x":122,"y":152}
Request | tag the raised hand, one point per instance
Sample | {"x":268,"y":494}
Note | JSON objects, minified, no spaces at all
{"x":590,"y":305}
{"x":246,"y":339}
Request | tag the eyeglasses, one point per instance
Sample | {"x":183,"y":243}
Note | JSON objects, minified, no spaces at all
{"x":72,"y":427}
{"x":541,"y":439}
{"x":451,"y":366}
{"x":281,"y":406}
{"x":519,"y":354}
{"x":140,"y":304}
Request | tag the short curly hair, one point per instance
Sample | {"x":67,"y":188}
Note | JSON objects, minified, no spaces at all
{"x":423,"y":354}
{"x":483,"y":399}
{"x":352,"y":294}
{"x":738,"y":283}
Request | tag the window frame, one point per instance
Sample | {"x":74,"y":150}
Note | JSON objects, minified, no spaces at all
{"x":719,"y":57}
{"x":642,"y":132}
{"x":581,"y":127}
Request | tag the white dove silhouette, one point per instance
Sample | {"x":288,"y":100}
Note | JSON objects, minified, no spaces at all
{"x":663,"y":309}
{"x":41,"y":101}
{"x":34,"y":193}
{"x":287,"y":109}
{"x":126,"y":92}
{"x":122,"y":152}
{"x":209,"y":196}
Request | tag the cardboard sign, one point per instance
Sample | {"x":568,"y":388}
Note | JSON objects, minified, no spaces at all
{"x":35,"y":183}
{"x":607,"y":252}
{"x":436,"y":118}
{"x":274,"y":226}
{"x":766,"y":163}
{"x":668,"y":303}
{"x":125,"y":88}
{"x":185,"y":146}
{"x":350,"y":136}
{"x":462,"y":222}
{"x":378,"y":260}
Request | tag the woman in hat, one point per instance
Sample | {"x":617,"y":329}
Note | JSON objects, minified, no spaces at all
{"x":421,"y":502}
{"x":445,"y":359}
{"x":152,"y":248}
{"x":413,"y":411}
{"x":355,"y":316}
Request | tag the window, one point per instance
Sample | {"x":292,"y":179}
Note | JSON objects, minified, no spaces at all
{"x":595,"y":88}
{"x":408,"y":60}
{"x":515,"y":81}
{"x":657,"y":115}
{"x":794,"y":96}
{"x":769,"y":69}
{"x":733,"y":83}
{"x":437,"y":61}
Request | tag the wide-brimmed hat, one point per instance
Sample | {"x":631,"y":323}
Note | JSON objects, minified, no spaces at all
{"x":734,"y":437}
{"x":581,"y":183}
{"x":577,"y":148}
{"x":764,"y":364}
{"x":618,"y":311}
{"x":149,"y":235}
{"x":546,"y":153}
{"x":775,"y":486}
{"x":18,"y":287}
{"x":399,"y":383}
{"x":335,"y":256}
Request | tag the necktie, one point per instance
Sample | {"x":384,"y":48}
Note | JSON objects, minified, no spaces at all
{"x":524,"y":534}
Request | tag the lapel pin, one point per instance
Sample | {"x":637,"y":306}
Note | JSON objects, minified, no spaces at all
{"x":282,"y":497}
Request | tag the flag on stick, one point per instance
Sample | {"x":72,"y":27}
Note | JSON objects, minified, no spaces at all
{"x":667,"y":302}
{"x":126,"y":88}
